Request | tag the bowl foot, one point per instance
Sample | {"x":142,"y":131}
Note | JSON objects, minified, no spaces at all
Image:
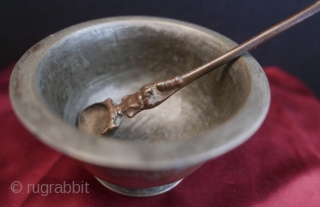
{"x":139,"y":192}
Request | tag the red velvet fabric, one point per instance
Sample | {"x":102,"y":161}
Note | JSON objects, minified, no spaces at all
{"x":278,"y":166}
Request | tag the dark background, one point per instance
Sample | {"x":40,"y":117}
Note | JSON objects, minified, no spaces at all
{"x":23,"y":23}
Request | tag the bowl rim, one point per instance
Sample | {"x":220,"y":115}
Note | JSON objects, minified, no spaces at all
{"x":146,"y":155}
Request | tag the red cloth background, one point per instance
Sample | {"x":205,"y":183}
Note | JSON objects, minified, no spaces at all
{"x":278,"y":166}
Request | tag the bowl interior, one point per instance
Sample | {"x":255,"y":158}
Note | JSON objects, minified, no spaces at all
{"x":115,"y":60}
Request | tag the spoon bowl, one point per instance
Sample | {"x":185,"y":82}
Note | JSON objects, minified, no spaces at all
{"x":93,"y":119}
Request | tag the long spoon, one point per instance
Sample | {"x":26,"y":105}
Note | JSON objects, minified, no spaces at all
{"x":105,"y":117}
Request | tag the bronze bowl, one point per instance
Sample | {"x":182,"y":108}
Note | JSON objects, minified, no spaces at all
{"x":109,"y":58}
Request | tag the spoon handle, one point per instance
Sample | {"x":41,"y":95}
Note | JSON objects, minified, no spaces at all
{"x":182,"y":80}
{"x":153,"y":94}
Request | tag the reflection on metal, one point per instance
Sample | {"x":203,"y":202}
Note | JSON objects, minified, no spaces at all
{"x":139,"y":192}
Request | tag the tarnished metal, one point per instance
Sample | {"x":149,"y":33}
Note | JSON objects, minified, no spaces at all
{"x":105,"y":117}
{"x":81,"y":65}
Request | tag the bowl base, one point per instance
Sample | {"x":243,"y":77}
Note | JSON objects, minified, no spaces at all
{"x":139,"y":192}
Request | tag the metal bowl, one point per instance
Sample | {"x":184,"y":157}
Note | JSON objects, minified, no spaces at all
{"x":109,"y":58}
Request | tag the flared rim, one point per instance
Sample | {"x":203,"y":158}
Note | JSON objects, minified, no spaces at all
{"x":53,"y":131}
